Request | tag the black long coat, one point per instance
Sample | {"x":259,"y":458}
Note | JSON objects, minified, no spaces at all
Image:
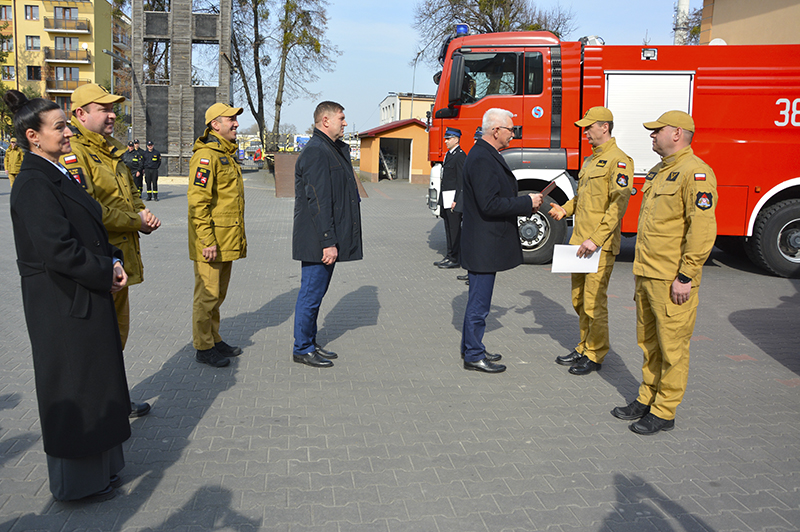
{"x":489,"y":238}
{"x":66,"y":263}
{"x":327,"y":209}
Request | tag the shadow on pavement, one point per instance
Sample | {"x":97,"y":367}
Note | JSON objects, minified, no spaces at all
{"x":208,"y":509}
{"x":642,"y":507}
{"x":437,"y":240}
{"x":17,"y":445}
{"x":459,"y":305}
{"x":774,"y":330}
{"x":359,"y":308}
{"x":242,"y":327}
{"x":553,"y":320}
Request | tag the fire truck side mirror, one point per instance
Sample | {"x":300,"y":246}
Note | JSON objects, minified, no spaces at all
{"x":456,"y":80}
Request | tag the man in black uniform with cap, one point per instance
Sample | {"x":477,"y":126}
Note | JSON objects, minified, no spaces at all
{"x":133,"y":160}
{"x":152,"y":161}
{"x":450,"y":197}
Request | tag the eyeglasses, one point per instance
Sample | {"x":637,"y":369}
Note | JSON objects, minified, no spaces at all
{"x":510,"y":129}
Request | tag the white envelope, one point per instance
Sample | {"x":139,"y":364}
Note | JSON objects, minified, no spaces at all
{"x":565,"y":260}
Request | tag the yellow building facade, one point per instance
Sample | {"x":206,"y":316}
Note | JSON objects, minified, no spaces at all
{"x":55,"y":46}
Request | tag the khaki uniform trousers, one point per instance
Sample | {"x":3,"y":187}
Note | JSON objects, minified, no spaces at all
{"x":210,"y":288}
{"x":663,"y":330}
{"x":590,"y":301}
{"x":123,"y":308}
{"x":11,"y":178}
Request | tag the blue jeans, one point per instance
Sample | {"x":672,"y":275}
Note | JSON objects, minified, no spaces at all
{"x":314,"y":281}
{"x":481,"y":286}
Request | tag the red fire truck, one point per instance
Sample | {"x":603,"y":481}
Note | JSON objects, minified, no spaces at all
{"x":745,"y":101}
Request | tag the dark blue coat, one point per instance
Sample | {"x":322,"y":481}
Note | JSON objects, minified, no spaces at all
{"x":327,"y":208}
{"x":65,"y":262}
{"x":489,"y":238}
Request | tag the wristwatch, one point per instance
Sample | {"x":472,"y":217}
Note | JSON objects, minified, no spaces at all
{"x":683,"y":279}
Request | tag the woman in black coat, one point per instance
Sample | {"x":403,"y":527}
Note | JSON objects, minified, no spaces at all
{"x":69,"y":271}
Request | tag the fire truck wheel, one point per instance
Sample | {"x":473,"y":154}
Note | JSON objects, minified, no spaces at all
{"x":775,"y":244}
{"x":539,"y":233}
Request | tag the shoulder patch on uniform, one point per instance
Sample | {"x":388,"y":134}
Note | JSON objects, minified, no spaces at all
{"x":650,"y":175}
{"x":699,"y":177}
{"x":704,"y":200}
{"x":622,"y":180}
{"x":95,"y":158}
{"x":201,"y":177}
{"x":673,"y":176}
{"x":71,"y":159}
{"x":223,"y":160}
{"x":602,"y":163}
{"x":204,"y":161}
{"x":77,"y":175}
{"x":621,"y":165}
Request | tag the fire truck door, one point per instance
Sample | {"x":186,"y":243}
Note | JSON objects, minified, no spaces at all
{"x":538,"y":98}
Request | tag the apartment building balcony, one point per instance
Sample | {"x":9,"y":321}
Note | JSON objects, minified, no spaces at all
{"x":122,"y":41}
{"x":64,"y":86}
{"x":51,"y":55}
{"x":66,"y":25}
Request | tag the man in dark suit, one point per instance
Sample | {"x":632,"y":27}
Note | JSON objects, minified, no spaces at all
{"x":327,"y":225}
{"x":489,"y":239}
{"x":452,"y":185}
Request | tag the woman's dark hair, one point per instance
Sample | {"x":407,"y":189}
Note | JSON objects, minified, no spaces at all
{"x":27,"y":114}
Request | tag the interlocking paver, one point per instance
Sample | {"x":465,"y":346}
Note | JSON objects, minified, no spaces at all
{"x":397,"y":436}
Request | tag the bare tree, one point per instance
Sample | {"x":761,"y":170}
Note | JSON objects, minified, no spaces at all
{"x":248,"y":50}
{"x":301,"y":48}
{"x":436,"y":19}
{"x":693,"y":22}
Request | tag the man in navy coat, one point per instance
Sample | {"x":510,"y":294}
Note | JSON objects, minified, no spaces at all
{"x":489,"y":239}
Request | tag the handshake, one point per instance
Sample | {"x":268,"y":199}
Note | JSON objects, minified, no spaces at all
{"x":149,"y":221}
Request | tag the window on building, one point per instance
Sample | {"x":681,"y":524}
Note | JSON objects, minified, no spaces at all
{"x":67,"y":43}
{"x":31,"y":12}
{"x":67,"y":73}
{"x":6,"y":13}
{"x":66,"y":13}
{"x":8,"y":73}
{"x":63,"y":102}
{"x":34,"y":73}
{"x":6,"y":45}
{"x":32,"y":42}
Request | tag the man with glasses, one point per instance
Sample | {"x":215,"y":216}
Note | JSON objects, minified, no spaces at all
{"x":489,"y":239}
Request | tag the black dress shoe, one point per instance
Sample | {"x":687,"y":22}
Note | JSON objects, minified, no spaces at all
{"x":464,"y":277}
{"x":484,"y":365}
{"x":313,"y":359}
{"x":584,"y":366}
{"x":651,"y":424}
{"x":488,"y":356}
{"x":635,"y":410}
{"x":324,"y":352}
{"x":139,"y":409}
{"x":100,"y":496}
{"x":212,"y":357}
{"x":228,"y":350}
{"x":438,"y":262}
{"x":449,"y":265}
{"x":568,"y":360}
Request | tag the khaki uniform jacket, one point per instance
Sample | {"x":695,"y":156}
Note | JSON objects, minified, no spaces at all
{"x":216,"y":200}
{"x":604,"y":188}
{"x":95,"y":162}
{"x":677,"y":225}
{"x":13,"y":160}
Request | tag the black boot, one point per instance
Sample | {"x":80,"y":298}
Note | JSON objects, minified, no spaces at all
{"x":155,"y":196}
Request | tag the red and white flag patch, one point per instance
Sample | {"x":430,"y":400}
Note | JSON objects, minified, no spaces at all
{"x":204,"y":161}
{"x":621,"y":165}
{"x":699,"y":177}
{"x":71,"y":159}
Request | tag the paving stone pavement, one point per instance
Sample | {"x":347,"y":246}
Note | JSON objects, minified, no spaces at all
{"x":397,"y":436}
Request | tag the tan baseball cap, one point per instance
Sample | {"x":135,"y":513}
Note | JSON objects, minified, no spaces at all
{"x":221,"y":109}
{"x":93,"y":93}
{"x":674,"y":119}
{"x":595,"y":114}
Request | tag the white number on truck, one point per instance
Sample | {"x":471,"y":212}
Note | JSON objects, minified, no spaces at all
{"x":790,"y":112}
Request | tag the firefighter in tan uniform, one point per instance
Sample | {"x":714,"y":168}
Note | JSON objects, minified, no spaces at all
{"x":13,"y":161}
{"x":604,"y":188}
{"x":216,"y":228}
{"x":677,"y":228}
{"x":95,"y":162}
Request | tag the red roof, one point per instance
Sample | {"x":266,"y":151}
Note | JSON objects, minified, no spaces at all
{"x":374,"y":132}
